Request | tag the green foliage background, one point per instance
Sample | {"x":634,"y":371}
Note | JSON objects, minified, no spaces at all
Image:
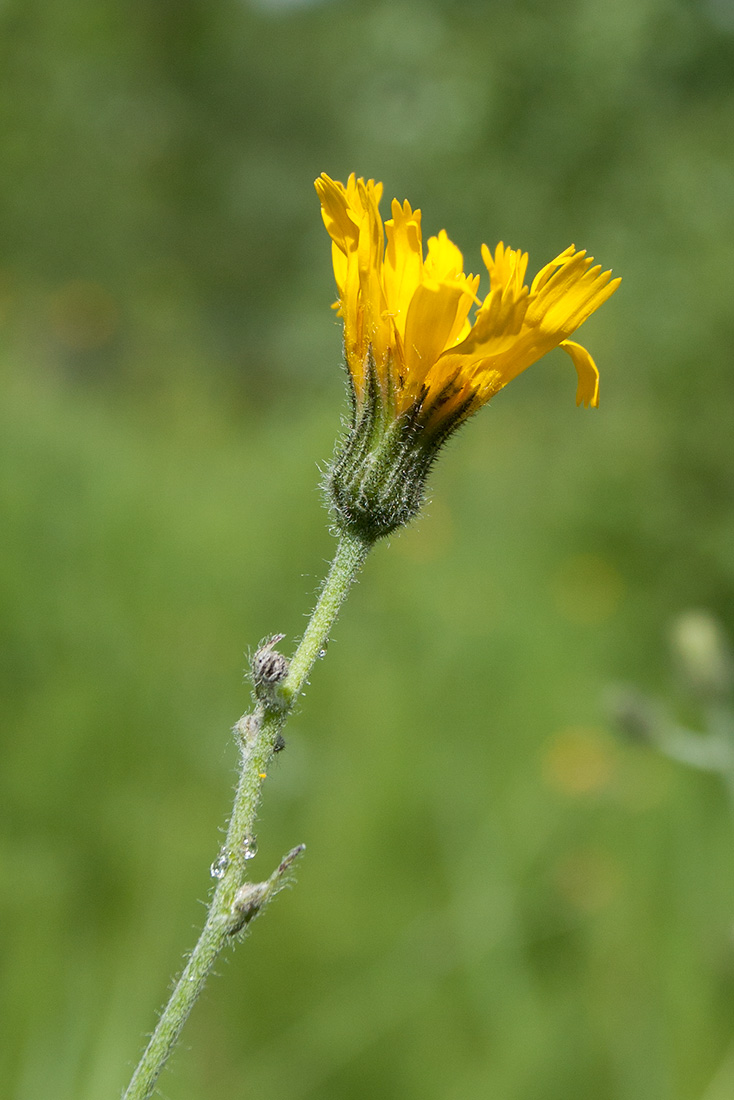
{"x":498,"y":899}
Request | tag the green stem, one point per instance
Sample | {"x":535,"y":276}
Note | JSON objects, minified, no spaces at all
{"x":234,"y":903}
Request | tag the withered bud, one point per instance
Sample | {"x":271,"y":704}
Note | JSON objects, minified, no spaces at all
{"x":269,"y":668}
{"x":247,"y":728}
{"x":252,"y":896}
{"x":247,"y":903}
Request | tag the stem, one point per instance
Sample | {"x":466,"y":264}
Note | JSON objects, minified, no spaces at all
{"x":235,"y":903}
{"x":347,"y":562}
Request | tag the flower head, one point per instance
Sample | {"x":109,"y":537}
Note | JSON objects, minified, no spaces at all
{"x":418,"y":364}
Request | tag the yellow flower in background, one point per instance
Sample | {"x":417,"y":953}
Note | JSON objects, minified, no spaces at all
{"x":419,"y":364}
{"x":408,"y":315}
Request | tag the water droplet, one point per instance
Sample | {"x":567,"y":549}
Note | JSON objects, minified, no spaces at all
{"x":249,"y":847}
{"x":322,"y":652}
{"x":220,"y":865}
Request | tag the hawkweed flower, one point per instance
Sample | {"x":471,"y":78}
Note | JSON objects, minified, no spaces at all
{"x":418,"y":367}
{"x":418,"y":364}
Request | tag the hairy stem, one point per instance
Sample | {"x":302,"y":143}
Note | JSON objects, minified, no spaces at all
{"x":235,"y":901}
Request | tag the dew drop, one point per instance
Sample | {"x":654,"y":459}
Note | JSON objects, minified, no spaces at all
{"x":322,"y":653}
{"x":220,"y":865}
{"x":249,"y":847}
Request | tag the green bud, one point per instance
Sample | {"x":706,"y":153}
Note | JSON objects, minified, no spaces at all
{"x":377,"y":481}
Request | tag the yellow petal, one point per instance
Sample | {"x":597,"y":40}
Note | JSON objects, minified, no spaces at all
{"x":506,"y":268}
{"x":545,"y":272}
{"x":403,"y":260}
{"x":444,"y":259}
{"x":432,"y":319}
{"x":587,"y":392}
{"x":335,"y":211}
{"x":569,"y":295}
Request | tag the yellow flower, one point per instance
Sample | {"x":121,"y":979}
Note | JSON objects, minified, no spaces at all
{"x":406,"y":316}
{"x":418,"y":364}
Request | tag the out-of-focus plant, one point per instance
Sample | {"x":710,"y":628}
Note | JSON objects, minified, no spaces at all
{"x":704,"y":666}
{"x":417,"y":369}
{"x":703,"y":663}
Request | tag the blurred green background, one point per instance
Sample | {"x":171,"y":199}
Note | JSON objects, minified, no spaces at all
{"x":499,"y":899}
